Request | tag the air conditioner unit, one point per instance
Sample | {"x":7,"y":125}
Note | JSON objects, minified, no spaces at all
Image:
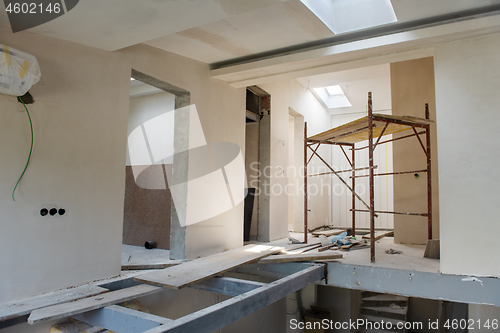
{"x":18,"y":71}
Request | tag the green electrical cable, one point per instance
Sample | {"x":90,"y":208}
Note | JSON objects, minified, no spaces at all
{"x":31,"y":148}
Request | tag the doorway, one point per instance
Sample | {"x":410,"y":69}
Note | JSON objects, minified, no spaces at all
{"x":149,"y":215}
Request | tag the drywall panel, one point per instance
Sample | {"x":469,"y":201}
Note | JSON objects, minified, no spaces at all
{"x":285,"y":95}
{"x":152,"y":116}
{"x":412,"y":85}
{"x":298,"y":178}
{"x":78,"y":163}
{"x":467,"y":74}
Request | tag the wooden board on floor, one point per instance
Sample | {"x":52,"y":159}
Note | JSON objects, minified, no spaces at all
{"x":90,"y":303}
{"x":145,"y":266}
{"x":282,"y":258}
{"x":379,"y":235}
{"x":26,"y":306}
{"x":329,"y":233}
{"x":181,"y":276}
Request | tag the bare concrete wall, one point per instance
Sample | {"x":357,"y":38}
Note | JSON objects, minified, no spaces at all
{"x":412,"y":85}
{"x":467,"y":86}
{"x":252,"y":168}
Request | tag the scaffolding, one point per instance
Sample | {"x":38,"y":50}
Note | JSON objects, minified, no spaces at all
{"x":373,"y":126}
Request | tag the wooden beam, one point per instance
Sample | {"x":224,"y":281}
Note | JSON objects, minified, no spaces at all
{"x":380,"y":235}
{"x":219,"y":315}
{"x":146,"y":266}
{"x":282,"y":258}
{"x":120,"y":319}
{"x":91,"y":303}
{"x":227,"y":286}
{"x":189,"y":273}
{"x":328,"y":233}
{"x":27,"y":305}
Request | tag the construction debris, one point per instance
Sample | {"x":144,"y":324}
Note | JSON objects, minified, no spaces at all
{"x":282,"y":258}
{"x":328,"y":233}
{"x":392,"y":251}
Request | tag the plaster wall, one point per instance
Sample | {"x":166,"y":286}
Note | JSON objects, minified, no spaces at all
{"x":285,"y":95}
{"x":412,"y":85}
{"x":467,"y":76}
{"x":80,"y":124}
{"x":78,"y":163}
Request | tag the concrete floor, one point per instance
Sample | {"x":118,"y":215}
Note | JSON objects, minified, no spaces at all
{"x":411,"y":258}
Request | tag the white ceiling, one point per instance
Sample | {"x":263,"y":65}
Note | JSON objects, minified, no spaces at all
{"x":281,"y":25}
{"x":116,"y":24}
{"x":285,"y":24}
{"x":211,"y":30}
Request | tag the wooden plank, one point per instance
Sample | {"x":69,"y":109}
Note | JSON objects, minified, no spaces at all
{"x":120,"y":319}
{"x":91,"y":303}
{"x":329,"y":247}
{"x":379,"y":235}
{"x":145,"y":266}
{"x":295,"y":249}
{"x":180,"y":276}
{"x":357,"y":130}
{"x":27,"y":305}
{"x":282,"y":258}
{"x":328,"y":233}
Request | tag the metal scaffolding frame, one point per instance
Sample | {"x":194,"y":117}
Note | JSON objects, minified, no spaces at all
{"x":246,"y":297}
{"x":371,"y":127}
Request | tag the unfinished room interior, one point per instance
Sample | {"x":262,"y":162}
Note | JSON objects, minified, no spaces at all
{"x":249,"y":166}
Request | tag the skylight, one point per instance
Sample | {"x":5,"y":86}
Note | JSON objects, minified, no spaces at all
{"x":350,"y":15}
{"x":333,"y":97}
{"x":334,"y":90}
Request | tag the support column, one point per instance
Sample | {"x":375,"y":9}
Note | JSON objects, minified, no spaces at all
{"x":372,"y":194}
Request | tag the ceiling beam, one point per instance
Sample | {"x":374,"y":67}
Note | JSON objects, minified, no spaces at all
{"x":400,"y":46}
